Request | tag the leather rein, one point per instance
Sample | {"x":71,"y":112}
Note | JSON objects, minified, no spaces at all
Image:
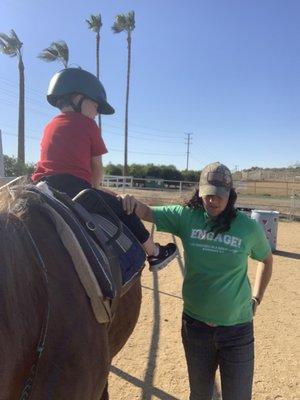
{"x":29,"y":383}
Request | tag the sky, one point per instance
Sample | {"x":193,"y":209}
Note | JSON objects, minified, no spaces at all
{"x":227,"y":72}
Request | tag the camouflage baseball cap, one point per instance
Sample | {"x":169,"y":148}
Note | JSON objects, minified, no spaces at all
{"x":215,"y":179}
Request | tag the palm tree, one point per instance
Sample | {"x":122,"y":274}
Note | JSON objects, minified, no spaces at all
{"x":95,"y":24}
{"x":12,"y":46}
{"x":126,"y":23}
{"x":57,"y":51}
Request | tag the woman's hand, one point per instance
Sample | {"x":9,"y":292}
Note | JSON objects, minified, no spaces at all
{"x":129,"y":203}
{"x":132,"y":205}
{"x":255,"y":304}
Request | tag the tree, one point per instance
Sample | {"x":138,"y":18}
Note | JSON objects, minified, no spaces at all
{"x":95,"y":24}
{"x":153,"y":171}
{"x":12,"y":46}
{"x":57,"y":51}
{"x":137,"y":171}
{"x":170,"y":172}
{"x":112,"y":169}
{"x":190,"y":176}
{"x":15,"y":167}
{"x":126,"y":23}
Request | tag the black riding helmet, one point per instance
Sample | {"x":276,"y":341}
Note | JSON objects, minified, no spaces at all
{"x":78,"y":81}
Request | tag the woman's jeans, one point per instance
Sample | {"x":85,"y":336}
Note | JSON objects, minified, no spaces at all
{"x":229,"y":347}
{"x":72,"y":185}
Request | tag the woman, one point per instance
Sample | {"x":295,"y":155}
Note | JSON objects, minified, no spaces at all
{"x":217,"y":327}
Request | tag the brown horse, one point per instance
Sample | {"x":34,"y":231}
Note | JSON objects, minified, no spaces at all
{"x":51,"y":346}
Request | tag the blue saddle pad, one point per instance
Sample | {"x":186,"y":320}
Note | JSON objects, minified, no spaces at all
{"x":129,"y":250}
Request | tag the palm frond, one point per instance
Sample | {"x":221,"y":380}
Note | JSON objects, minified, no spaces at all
{"x":94,"y":23}
{"x":124,"y":23}
{"x":10,"y":45}
{"x":5,"y":49}
{"x":119,"y":24}
{"x":63,"y":51}
{"x":48,"y":55}
{"x":5,"y":38}
{"x":16,"y":39}
{"x":131,"y":20}
{"x":57,"y":51}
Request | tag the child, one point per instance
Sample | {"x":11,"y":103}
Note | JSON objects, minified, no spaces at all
{"x":72,"y":147}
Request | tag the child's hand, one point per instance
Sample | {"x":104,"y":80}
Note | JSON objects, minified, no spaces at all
{"x":129,"y":203}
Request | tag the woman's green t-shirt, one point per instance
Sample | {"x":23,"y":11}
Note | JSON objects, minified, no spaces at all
{"x":216,"y":287}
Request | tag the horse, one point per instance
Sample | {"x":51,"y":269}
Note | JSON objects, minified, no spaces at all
{"x":51,"y":345}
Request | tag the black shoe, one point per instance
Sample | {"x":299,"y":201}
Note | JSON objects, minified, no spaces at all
{"x":165,"y":255}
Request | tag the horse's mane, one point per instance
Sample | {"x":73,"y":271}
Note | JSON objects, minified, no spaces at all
{"x":10,"y":196}
{"x":19,"y":268}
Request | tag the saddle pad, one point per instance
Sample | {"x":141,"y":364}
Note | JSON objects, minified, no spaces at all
{"x":95,"y":255}
{"x":101,"y":308}
{"x":129,"y":250}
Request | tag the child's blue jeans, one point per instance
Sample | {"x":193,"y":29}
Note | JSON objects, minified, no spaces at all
{"x":229,"y":347}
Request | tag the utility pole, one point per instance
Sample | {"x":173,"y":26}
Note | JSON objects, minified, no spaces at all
{"x":1,"y":157}
{"x":188,"y":143}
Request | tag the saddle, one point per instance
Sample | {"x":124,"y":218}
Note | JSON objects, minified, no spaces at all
{"x":106,"y":255}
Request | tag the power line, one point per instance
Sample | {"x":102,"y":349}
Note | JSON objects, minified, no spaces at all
{"x":15,"y":135}
{"x":35,"y":106}
{"x":14,"y":84}
{"x":142,"y":133}
{"x":39,"y":111}
{"x":149,"y":154}
{"x":35,"y":110}
{"x":10,"y":126}
{"x":139,"y":138}
{"x":6,"y":133}
{"x":15,"y":96}
{"x":11,"y":83}
{"x":153,"y":129}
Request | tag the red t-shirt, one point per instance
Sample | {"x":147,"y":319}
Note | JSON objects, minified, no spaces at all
{"x":69,"y":142}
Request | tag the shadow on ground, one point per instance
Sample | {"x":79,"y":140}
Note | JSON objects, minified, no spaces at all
{"x":295,"y":256}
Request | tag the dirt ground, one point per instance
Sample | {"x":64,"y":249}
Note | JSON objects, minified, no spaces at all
{"x":152,"y":364}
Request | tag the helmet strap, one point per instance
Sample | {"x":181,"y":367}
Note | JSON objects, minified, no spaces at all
{"x":77,"y":107}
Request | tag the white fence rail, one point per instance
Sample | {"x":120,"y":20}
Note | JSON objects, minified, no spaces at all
{"x":282,"y":196}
